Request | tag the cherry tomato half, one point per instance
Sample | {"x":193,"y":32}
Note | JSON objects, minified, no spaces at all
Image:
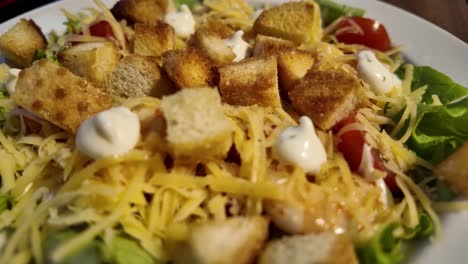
{"x":363,"y":31}
{"x":351,"y":145}
{"x":102,"y":29}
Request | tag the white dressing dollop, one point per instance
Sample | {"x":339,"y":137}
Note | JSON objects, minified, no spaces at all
{"x":111,"y":132}
{"x":238,"y":45}
{"x":373,"y":72}
{"x":386,"y":197}
{"x":366,"y":167}
{"x":300,"y":146}
{"x":182,"y":21}
{"x":13,"y":75}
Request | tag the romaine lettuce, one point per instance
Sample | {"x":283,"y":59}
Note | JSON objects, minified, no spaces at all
{"x":386,"y":248}
{"x":189,"y":3}
{"x":89,"y":254}
{"x":440,"y":129}
{"x":128,"y":251}
{"x":6,"y":202}
{"x":122,"y":250}
{"x":330,"y":11}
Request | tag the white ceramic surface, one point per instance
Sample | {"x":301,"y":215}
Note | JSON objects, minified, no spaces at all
{"x":425,"y":44}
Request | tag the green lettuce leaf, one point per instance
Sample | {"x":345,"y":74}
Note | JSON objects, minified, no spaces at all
{"x":3,"y":95}
{"x":128,"y":251}
{"x":89,"y":254}
{"x":385,"y":248}
{"x":189,"y":3}
{"x":330,"y":11}
{"x":6,"y":202}
{"x":439,"y":130}
{"x":441,"y":192}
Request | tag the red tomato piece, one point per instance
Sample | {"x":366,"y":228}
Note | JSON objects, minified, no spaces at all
{"x":390,"y":177}
{"x":363,"y":31}
{"x":102,"y":29}
{"x":351,"y":145}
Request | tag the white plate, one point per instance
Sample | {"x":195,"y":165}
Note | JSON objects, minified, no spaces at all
{"x":426,"y":44}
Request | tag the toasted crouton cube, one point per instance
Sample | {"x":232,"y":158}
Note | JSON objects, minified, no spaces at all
{"x":213,"y":47}
{"x":141,"y":11}
{"x":326,"y":96}
{"x":92,"y":61}
{"x":326,"y":247}
{"x":216,"y":27}
{"x":296,"y":21}
{"x":19,"y":44}
{"x":188,"y":68}
{"x":44,"y":84}
{"x":271,"y":46}
{"x":454,"y":170}
{"x":197,"y":129}
{"x":153,"y":40}
{"x":236,"y":240}
{"x":250,"y":81}
{"x":292,"y":66}
{"x":137,"y":76}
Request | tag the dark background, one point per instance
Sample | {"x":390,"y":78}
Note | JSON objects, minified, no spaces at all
{"x":451,"y":15}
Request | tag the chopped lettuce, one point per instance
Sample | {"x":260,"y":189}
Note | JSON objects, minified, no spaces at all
{"x":386,"y":248}
{"x":440,"y":129}
{"x":439,"y":191}
{"x":6,"y":202}
{"x":189,"y":3}
{"x":40,"y":53}
{"x":89,"y":254}
{"x":3,"y":110}
{"x":128,"y":251}
{"x":330,"y":11}
{"x":73,"y":26}
{"x":383,"y":249}
{"x":122,"y":250}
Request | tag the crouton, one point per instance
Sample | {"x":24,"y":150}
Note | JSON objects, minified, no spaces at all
{"x":454,"y":170}
{"x":19,"y":44}
{"x":235,"y":240}
{"x":197,"y":129}
{"x":141,"y":11}
{"x":138,"y":75}
{"x":188,"y":68}
{"x":55,"y":94}
{"x":216,"y":27}
{"x":296,"y":21}
{"x":292,"y":66}
{"x":153,"y":40}
{"x":326,"y":96}
{"x":213,"y":47}
{"x":92,"y":61}
{"x":320,"y":248}
{"x":270,"y":46}
{"x":250,"y":81}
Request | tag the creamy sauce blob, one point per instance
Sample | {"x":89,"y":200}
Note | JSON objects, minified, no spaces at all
{"x":12,"y":79}
{"x":373,"y":72}
{"x":300,"y":146}
{"x":182,"y":21}
{"x":366,"y":167}
{"x":111,"y":132}
{"x":238,"y":45}
{"x":385,"y":196}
